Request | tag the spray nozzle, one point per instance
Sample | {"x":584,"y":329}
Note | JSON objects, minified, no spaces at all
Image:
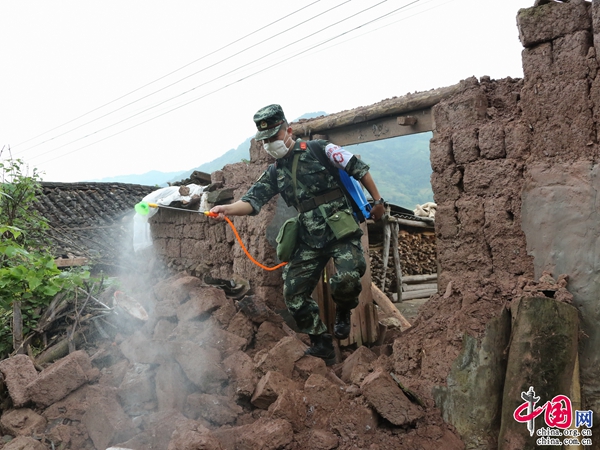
{"x":210,"y":214}
{"x":143,"y":208}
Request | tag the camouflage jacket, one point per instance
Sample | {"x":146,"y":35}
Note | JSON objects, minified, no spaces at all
{"x":313,"y":179}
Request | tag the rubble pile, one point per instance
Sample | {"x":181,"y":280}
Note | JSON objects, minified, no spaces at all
{"x":208,"y":372}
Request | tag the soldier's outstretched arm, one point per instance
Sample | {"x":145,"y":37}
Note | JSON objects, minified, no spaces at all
{"x":239,"y":208}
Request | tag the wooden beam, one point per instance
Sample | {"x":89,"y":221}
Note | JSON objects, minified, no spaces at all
{"x":391,"y":107}
{"x":377,"y":129}
{"x":388,"y":307}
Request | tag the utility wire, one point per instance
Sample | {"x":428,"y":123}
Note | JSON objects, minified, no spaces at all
{"x":158,"y":79}
{"x":209,"y":81}
{"x":234,"y":82}
{"x":180,"y":80}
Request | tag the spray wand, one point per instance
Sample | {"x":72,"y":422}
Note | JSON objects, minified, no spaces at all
{"x":143,"y":208}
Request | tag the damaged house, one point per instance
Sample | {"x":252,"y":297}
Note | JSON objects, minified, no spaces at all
{"x":514,"y":316}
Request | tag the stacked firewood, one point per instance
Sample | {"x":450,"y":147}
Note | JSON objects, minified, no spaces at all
{"x":417,"y":257}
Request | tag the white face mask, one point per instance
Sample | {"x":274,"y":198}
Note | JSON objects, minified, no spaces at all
{"x":277,"y":149}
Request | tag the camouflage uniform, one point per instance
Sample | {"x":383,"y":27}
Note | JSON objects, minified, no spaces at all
{"x":316,"y":242}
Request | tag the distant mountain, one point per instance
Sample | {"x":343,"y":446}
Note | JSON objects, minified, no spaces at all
{"x":400,"y":166}
{"x":152,"y":178}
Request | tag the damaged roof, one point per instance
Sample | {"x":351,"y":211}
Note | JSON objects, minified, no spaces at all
{"x":90,"y":222}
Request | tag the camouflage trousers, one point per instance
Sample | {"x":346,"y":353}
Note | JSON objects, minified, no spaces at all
{"x":302,"y":273}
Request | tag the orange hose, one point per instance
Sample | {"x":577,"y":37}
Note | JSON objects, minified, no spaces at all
{"x":244,"y":247}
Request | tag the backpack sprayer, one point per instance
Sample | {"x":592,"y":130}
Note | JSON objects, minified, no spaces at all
{"x":143,"y":208}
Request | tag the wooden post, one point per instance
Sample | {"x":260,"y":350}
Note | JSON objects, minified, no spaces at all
{"x":386,"y":246}
{"x":397,"y":263}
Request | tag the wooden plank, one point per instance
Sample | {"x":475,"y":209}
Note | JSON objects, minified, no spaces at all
{"x":418,"y":287}
{"x":407,"y":279}
{"x":412,"y":295}
{"x":70,"y":262}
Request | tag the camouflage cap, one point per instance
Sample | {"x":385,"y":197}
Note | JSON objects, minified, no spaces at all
{"x":268,"y":121}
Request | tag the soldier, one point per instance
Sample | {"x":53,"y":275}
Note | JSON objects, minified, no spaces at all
{"x":317,"y":197}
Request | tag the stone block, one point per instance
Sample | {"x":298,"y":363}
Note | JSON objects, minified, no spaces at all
{"x":223,"y":316}
{"x":158,"y":428}
{"x":23,"y":422}
{"x":461,"y":110}
{"x":317,"y":440}
{"x":172,"y":387}
{"x":57,"y":381}
{"x":106,"y":422}
{"x":191,"y":439}
{"x":547,"y":22}
{"x":266,"y":434}
{"x":202,"y":302}
{"x":269,"y":388}
{"x":517,"y":140}
{"x":447,"y":186}
{"x":137,"y":387}
{"x":201,"y":366}
{"x":227,"y":343}
{"x":358,"y":365}
{"x":176,"y":289}
{"x":173,"y":248}
{"x":268,"y":334}
{"x":240,"y":369}
{"x":163,"y":329}
{"x":353,"y":418}
{"x":471,"y":214}
{"x":18,"y":372}
{"x":292,"y":407}
{"x":441,"y":155}
{"x":217,"y":409}
{"x":113,"y":375}
{"x":465,"y":146}
{"x":283,"y":356}
{"x":308,"y":365}
{"x":490,"y":177}
{"x":24,"y":443}
{"x":491,"y":141}
{"x":322,"y":393}
{"x":241,"y":326}
{"x":139,"y":348}
{"x":446,"y":222}
{"x":384,"y":394}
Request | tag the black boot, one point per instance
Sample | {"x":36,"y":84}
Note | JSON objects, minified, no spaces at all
{"x":341,"y":329}
{"x":321,"y":347}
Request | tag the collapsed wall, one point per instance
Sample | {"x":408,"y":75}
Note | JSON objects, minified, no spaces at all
{"x":515,"y":179}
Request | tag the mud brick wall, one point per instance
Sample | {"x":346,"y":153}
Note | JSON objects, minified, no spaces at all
{"x":515,"y":176}
{"x":195,"y":244}
{"x":561,"y":103}
{"x":478,"y":155}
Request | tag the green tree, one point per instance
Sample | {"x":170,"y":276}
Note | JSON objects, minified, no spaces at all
{"x":29,"y":278}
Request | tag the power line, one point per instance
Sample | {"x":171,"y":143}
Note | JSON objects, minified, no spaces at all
{"x":156,"y":80}
{"x":174,"y":83}
{"x":235,"y":82}
{"x":210,"y":81}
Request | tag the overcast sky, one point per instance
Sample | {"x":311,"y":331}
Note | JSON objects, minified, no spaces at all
{"x":97,"y":89}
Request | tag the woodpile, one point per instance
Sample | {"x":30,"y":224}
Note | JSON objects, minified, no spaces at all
{"x":417,"y":253}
